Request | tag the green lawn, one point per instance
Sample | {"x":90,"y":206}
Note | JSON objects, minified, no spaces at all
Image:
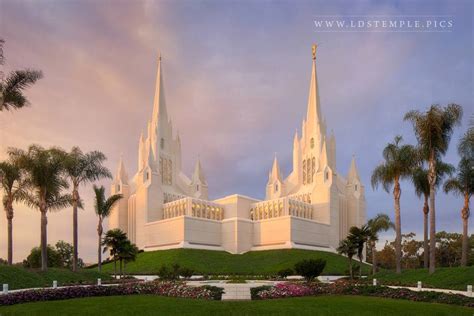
{"x":18,"y":278}
{"x":156,"y":305}
{"x":221,"y":262}
{"x":456,"y":278}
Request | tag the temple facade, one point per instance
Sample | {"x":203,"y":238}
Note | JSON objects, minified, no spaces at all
{"x":312,"y":208}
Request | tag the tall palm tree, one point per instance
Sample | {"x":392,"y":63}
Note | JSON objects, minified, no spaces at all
{"x":422,"y":189}
{"x":11,"y":88}
{"x":113,"y":241}
{"x":14,"y":184}
{"x":433,"y":130}
{"x":81,"y":169}
{"x":45,"y":175}
{"x":349,"y":249}
{"x":379,"y":223}
{"x":103,"y":207}
{"x":359,"y":237}
{"x":463,"y":184}
{"x":400,"y":161}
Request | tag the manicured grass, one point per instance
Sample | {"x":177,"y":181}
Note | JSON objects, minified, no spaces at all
{"x":155,"y":305}
{"x":19,"y":278}
{"x":457,"y":278}
{"x":221,"y":262}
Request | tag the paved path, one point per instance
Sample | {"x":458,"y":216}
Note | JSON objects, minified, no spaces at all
{"x":415,"y":289}
{"x":233,"y":291}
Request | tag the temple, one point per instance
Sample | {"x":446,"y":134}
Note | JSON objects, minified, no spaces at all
{"x":312,"y":208}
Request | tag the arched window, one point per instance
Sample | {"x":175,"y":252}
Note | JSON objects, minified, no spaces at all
{"x":162,"y":143}
{"x":118,"y":187}
{"x":312,"y":142}
{"x":276,"y":187}
{"x":355,"y":187}
{"x":313,"y":168}
{"x":304,"y":171}
{"x":197,"y":187}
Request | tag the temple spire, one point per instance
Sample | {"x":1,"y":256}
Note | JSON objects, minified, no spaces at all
{"x":275,"y":173}
{"x":121,"y":172}
{"x":353,"y":172}
{"x":159,"y":104}
{"x":198,"y":175}
{"x":313,"y":116}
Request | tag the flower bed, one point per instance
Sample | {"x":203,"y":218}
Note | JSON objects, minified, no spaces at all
{"x":344,"y":287}
{"x":175,"y":289}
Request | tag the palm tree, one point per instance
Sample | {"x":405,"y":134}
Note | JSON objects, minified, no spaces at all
{"x":349,"y":249}
{"x":381,"y":222}
{"x":400,"y":161}
{"x":14,"y":184}
{"x":113,"y":241}
{"x":359,"y":237}
{"x":82,"y":168}
{"x":11,"y":88}
{"x":128,"y":252}
{"x":45,"y":175}
{"x":463,"y":184}
{"x":422,"y":189}
{"x":103,"y":207}
{"x":433,"y":130}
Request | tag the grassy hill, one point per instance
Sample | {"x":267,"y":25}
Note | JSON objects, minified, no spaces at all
{"x":18,"y":277}
{"x":457,"y":278}
{"x":221,"y":262}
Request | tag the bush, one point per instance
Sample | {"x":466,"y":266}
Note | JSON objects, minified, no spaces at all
{"x":216,"y":292}
{"x":34,"y":258}
{"x":284,"y":273}
{"x":186,"y":273}
{"x":310,"y":269}
{"x":255,"y":290}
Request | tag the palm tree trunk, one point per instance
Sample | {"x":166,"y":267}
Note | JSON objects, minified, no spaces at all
{"x":115,"y":267}
{"x":75,"y":200}
{"x":432,"y":181}
{"x":350,"y":267}
{"x":360,"y":267}
{"x":465,"y":218}
{"x":10,"y":233}
{"x":44,"y":241}
{"x":99,"y":246}
{"x":397,"y":192}
{"x":426,"y":250}
{"x":374,"y":258}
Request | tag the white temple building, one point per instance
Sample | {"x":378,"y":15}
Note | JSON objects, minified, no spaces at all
{"x":312,"y":208}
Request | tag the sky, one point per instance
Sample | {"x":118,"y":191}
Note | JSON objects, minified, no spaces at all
{"x":236,"y":80}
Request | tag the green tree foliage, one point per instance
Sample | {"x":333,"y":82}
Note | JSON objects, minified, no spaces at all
{"x":310,"y":269}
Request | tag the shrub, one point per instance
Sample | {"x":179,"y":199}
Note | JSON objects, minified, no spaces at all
{"x":310,"y":269}
{"x":216,"y":292}
{"x":186,"y":273}
{"x":255,"y":290}
{"x":284,"y":273}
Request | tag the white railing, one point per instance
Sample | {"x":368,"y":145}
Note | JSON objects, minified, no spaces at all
{"x":193,"y":207}
{"x":280,"y":207}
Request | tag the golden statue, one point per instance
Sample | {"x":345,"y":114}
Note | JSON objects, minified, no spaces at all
{"x":314,"y":51}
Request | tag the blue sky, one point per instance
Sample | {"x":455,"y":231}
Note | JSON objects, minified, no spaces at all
{"x":236,"y":79}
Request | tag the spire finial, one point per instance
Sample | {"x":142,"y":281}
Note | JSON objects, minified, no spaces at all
{"x":314,"y":47}
{"x":159,"y":57}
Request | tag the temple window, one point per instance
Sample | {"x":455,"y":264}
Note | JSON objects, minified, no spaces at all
{"x":276,"y":187}
{"x":304,"y":171}
{"x":162,"y":143}
{"x":312,"y":142}
{"x":118,"y":187}
{"x":197,"y":187}
{"x":356,"y":187}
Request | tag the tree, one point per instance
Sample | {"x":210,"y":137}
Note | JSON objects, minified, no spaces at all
{"x":45,"y":174}
{"x":103,"y":207}
{"x":463,"y":185}
{"x":359,"y":237}
{"x":81,"y":169}
{"x":381,"y":222}
{"x":113,"y":241}
{"x":433,"y":130}
{"x":310,"y":269}
{"x":14,"y":184}
{"x":127,"y":252}
{"x":66,"y":252}
{"x":34,"y":259}
{"x":11,"y":88}
{"x":349,"y":249}
{"x":422,"y":189}
{"x":400,"y":161}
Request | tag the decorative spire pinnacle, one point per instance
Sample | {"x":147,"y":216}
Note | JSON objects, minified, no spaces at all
{"x":121,"y":172}
{"x":159,"y":104}
{"x":314,"y":47}
{"x":353,"y":172}
{"x":313,"y":116}
{"x":198,"y":175}
{"x":275,"y":173}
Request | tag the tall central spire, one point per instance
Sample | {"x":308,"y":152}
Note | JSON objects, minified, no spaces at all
{"x":313,"y":116}
{"x":159,"y":104}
